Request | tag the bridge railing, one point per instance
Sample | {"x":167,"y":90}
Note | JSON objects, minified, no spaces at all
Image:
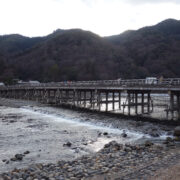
{"x":168,"y":82}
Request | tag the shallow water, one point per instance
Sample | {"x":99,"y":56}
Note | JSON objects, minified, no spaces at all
{"x":44,"y":130}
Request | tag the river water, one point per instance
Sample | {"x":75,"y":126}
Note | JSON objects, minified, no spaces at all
{"x":44,"y":131}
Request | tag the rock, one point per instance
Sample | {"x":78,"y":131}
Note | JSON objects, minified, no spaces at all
{"x":124,"y":135}
{"x":154,"y":134}
{"x":170,"y":144}
{"x":7,"y":162}
{"x":99,"y":134}
{"x":127,"y":149}
{"x":13,"y":159}
{"x":148,"y":143}
{"x":26,"y":152}
{"x":19,"y":157}
{"x":12,"y":121}
{"x":177,"y":131}
{"x":4,"y":160}
{"x":68,"y":144}
{"x":105,"y":133}
{"x":6,"y":178}
{"x":168,"y":140}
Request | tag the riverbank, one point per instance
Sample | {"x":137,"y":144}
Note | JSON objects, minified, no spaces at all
{"x":114,"y":161}
{"x":33,"y":137}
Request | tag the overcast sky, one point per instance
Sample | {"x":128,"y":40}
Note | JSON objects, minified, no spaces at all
{"x":103,"y":17}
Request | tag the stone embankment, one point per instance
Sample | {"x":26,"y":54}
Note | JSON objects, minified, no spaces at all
{"x":114,"y":161}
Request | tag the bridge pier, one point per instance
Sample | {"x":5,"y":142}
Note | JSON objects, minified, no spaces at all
{"x":119,"y":93}
{"x":178,"y":105}
{"x":174,"y":104}
{"x":107,"y":96}
{"x":136,"y":102}
{"x":132,"y":100}
{"x":143,"y":103}
{"x":113,"y":100}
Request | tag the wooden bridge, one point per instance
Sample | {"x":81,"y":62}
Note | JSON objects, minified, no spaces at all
{"x":108,"y":95}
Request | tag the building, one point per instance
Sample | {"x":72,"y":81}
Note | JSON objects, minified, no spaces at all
{"x":2,"y":84}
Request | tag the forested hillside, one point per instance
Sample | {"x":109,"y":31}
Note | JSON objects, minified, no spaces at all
{"x":81,"y":55}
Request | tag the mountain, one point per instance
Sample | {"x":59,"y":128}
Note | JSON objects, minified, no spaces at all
{"x":15,"y":43}
{"x":156,"y":49}
{"x":82,"y":55}
{"x":72,"y":55}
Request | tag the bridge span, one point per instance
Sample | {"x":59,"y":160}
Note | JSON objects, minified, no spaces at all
{"x":130,"y":97}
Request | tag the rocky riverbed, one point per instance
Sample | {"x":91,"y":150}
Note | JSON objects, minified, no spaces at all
{"x":41,"y":142}
{"x":114,"y":161}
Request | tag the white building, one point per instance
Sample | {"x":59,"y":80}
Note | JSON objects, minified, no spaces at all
{"x":151,"y":80}
{"x":34,"y":82}
{"x":2,"y":84}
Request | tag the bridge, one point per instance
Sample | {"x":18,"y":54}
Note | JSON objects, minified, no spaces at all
{"x":130,"y":97}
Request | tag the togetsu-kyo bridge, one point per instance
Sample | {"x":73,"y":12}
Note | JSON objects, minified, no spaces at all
{"x":129,"y":97}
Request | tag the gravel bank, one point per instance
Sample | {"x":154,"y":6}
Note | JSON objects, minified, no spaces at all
{"x":114,"y":161}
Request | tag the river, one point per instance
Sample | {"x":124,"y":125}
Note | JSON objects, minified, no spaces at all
{"x":45,"y":131}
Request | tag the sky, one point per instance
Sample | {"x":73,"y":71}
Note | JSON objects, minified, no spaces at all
{"x":103,"y":17}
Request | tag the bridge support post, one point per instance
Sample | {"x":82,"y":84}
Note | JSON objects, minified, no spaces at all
{"x":142,"y":105}
{"x":107,"y":95}
{"x":178,"y":106}
{"x":80,"y":97}
{"x":172,"y":104}
{"x":148,"y":100}
{"x":119,"y":100}
{"x":113,"y":100}
{"x":99,"y":100}
{"x":48,"y":96}
{"x":91,"y":98}
{"x":85,"y":99}
{"x":74,"y":98}
{"x":60,"y":96}
{"x":136,"y":103}
{"x":129,"y":103}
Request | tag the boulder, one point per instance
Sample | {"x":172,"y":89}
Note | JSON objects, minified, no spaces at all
{"x":148,"y":143}
{"x":19,"y":157}
{"x":68,"y":144}
{"x":124,"y":134}
{"x":168,"y":140}
{"x":13,"y":159}
{"x":154,"y":134}
{"x":26,"y":152}
{"x":105,"y":133}
{"x":177,"y":131}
